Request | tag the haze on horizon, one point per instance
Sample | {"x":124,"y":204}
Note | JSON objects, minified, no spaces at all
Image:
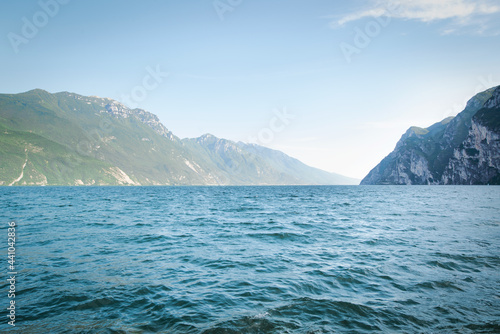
{"x":350,"y":78}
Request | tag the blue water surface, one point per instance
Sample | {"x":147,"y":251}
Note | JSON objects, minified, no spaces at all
{"x":319,"y":259}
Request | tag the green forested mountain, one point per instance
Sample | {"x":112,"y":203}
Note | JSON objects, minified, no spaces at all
{"x":69,"y":139}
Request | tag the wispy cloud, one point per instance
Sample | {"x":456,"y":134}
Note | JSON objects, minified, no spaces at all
{"x":460,"y":13}
{"x":375,"y":12}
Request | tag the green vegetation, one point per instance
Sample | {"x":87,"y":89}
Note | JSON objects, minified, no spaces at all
{"x":69,"y":139}
{"x":489,"y":118}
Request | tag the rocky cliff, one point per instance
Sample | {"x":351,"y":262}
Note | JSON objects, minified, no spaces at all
{"x":461,"y":150}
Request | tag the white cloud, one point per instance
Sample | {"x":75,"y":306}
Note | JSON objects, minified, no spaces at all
{"x":461,"y":12}
{"x":376,"y":12}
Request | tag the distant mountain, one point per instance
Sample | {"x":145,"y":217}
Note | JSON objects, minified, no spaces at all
{"x":458,"y":150}
{"x":69,"y":139}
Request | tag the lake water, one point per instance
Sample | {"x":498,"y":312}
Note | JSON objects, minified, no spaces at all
{"x":253,"y":259}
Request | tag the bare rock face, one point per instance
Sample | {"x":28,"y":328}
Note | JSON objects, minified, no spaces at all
{"x":460,"y":150}
{"x":119,"y":110}
{"x":477,"y":159}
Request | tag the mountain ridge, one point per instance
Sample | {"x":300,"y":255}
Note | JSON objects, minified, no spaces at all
{"x":70,"y":139}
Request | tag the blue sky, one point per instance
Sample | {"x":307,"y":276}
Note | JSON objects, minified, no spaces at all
{"x":352,"y":76}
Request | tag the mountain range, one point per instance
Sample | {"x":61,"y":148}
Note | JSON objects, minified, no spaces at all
{"x":460,"y":150}
{"x":70,"y":139}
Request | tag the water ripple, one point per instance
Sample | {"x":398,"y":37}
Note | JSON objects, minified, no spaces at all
{"x":255,"y":259}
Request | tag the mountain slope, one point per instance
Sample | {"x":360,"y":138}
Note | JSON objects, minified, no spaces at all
{"x":290,"y":166}
{"x":69,"y":139}
{"x":244,"y":163}
{"x":459,"y":150}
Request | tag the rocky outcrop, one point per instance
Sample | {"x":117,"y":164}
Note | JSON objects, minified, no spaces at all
{"x":460,"y":150}
{"x":477,"y":159}
{"x":119,"y":110}
{"x":151,"y":120}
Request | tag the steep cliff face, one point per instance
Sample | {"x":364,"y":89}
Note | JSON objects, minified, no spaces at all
{"x":460,"y":150}
{"x":406,"y":166}
{"x":477,"y":159}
